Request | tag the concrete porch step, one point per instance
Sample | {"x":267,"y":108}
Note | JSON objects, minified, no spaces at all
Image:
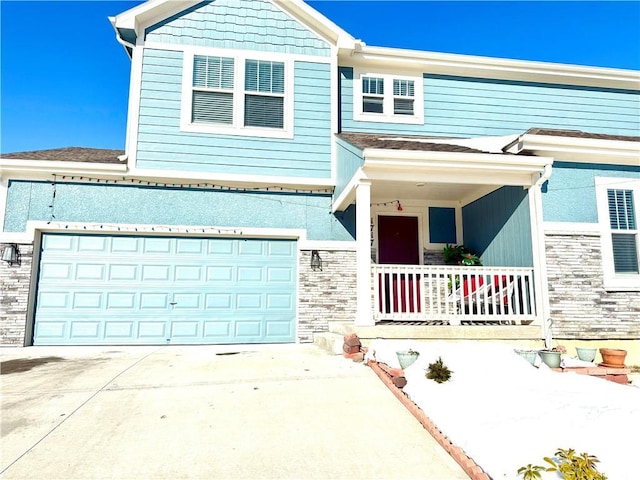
{"x":329,"y":341}
{"x":430,"y":331}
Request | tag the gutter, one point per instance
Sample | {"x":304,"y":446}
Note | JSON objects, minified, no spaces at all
{"x":127,"y":45}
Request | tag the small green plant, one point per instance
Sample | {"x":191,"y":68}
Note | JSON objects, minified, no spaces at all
{"x":531,"y":472}
{"x":460,"y":255}
{"x":438,"y":371}
{"x":567,"y":463}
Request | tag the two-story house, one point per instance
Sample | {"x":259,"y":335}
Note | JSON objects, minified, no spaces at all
{"x":281,"y":176}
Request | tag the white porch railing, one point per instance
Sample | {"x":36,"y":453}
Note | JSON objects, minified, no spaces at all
{"x":453,"y":294}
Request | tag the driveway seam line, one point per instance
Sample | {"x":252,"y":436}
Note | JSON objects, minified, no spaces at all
{"x":76,"y":409}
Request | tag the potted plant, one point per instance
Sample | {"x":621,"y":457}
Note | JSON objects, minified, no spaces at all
{"x":460,"y":255}
{"x":586,"y":354}
{"x":529,"y":355}
{"x":551,"y":357}
{"x":613,"y":357}
{"x":407,"y":357}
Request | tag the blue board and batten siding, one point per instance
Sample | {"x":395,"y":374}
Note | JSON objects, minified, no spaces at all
{"x":350,"y":159}
{"x":570,"y":194}
{"x":498,"y":227}
{"x":147,"y":205}
{"x":119,"y":290}
{"x":250,"y":26}
{"x":238,"y":24}
{"x":469,"y":107}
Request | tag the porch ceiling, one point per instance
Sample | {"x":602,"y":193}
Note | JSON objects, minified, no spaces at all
{"x":386,"y":190}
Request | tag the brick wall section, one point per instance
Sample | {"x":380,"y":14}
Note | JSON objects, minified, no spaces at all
{"x":327,"y":295}
{"x":580,"y":307}
{"x":14,"y":294}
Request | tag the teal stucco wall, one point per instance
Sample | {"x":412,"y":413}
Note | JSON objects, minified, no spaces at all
{"x":151,"y":205}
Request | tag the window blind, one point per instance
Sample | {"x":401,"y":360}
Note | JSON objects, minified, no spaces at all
{"x":624,"y":237}
{"x":213,"y":82}
{"x":264,"y":97}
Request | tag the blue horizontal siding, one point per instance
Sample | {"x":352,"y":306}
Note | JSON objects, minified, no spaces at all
{"x":116,"y":204}
{"x":161,"y":144}
{"x":468,"y":107}
{"x":570,"y":194}
{"x":239,"y":24}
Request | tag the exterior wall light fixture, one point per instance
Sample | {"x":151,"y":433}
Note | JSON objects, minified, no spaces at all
{"x":11,"y":254}
{"x":316,"y":261}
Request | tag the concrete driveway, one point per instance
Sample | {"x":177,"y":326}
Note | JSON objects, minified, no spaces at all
{"x":278,"y":412}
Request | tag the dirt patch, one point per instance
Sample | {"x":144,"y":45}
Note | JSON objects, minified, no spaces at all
{"x":25,"y":364}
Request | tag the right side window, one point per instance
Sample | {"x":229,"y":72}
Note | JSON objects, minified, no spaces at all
{"x":624,"y":230}
{"x":618,"y":218}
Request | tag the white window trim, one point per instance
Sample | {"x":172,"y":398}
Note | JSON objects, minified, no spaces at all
{"x":388,"y":116}
{"x":613,"y":280}
{"x":237,"y":127}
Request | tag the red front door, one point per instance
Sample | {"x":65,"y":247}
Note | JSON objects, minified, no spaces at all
{"x":398,"y":244}
{"x":398,"y":240}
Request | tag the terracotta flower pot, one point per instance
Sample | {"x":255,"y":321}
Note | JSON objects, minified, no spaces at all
{"x":613,"y":357}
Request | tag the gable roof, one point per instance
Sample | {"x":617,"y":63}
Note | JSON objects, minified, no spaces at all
{"x":69,"y":154}
{"x":131,"y":24}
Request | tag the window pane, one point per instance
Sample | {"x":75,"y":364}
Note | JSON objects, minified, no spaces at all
{"x":625,"y":252}
{"x":402,"y":106}
{"x":373,"y":85}
{"x":621,"y":212}
{"x":212,"y":107}
{"x":372,"y":104}
{"x":261,"y":111}
{"x":213,"y":72}
{"x":251,"y":75}
{"x":403,"y":88}
{"x":264,"y":76}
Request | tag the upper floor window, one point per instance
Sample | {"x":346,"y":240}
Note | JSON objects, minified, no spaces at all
{"x":388,"y":98}
{"x":237,"y":95}
{"x":617,"y":214}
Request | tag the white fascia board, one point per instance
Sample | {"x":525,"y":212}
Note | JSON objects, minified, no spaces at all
{"x":229,"y":179}
{"x":150,"y":13}
{"x":348,"y":195}
{"x":42,"y":169}
{"x":452,"y":159}
{"x":487,"y":67}
{"x":579,"y":149}
{"x":46,"y":168}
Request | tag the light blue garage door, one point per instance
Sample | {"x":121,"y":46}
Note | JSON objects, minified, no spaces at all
{"x":116,"y":290}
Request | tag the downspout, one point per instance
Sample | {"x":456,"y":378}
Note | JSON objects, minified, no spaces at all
{"x":543,"y":284}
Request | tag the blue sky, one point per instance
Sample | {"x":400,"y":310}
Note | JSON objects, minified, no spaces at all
{"x":64,"y":78}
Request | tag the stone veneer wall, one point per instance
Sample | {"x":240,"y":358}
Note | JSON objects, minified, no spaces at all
{"x":328,"y":295}
{"x":14,"y":296}
{"x":580,"y":307}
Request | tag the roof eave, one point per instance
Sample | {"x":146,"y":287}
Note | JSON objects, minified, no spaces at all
{"x":581,"y":150}
{"x":499,"y":68}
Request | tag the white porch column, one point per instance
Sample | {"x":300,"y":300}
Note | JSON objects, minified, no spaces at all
{"x":541,"y":282}
{"x":363,"y":253}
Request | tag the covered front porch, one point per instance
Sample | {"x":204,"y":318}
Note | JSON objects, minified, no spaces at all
{"x":413,"y":196}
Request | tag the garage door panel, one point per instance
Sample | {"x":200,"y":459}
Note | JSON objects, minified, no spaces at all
{"x":159,"y":290}
{"x":118,"y":329}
